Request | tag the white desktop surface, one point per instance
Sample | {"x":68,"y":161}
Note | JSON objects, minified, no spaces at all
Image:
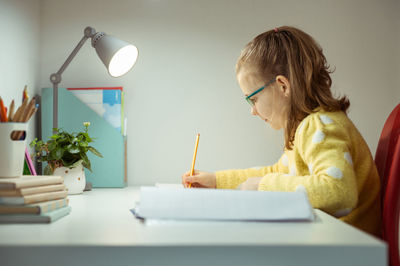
{"x":100,"y":230}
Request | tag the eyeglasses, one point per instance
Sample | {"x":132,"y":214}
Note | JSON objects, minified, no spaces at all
{"x":251,"y":101}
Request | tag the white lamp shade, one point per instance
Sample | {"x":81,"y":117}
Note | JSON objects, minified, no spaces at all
{"x":118,"y":56}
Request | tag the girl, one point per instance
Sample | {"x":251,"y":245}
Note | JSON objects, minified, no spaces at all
{"x":286,"y":80}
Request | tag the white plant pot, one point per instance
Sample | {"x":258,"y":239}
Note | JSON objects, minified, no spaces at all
{"x":74,"y":178}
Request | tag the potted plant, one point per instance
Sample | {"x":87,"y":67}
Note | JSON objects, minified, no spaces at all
{"x":66,"y":155}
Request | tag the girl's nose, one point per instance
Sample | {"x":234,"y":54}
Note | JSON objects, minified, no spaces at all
{"x":254,"y":110}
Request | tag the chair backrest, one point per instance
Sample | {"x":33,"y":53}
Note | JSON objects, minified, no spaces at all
{"x":387,"y":160}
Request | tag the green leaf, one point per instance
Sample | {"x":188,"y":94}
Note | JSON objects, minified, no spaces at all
{"x":52,"y":145}
{"x":95,"y":152}
{"x":33,"y":143}
{"x":51,"y":156}
{"x":47,"y":170}
{"x":58,"y":153}
{"x":64,"y":162}
{"x":75,"y":164}
{"x":73,"y":149}
{"x":87,"y":165}
{"x":84,"y":157}
{"x":83,"y":144}
{"x":86,"y":162}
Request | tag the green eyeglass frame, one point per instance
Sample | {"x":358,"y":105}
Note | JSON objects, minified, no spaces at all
{"x":251,"y":101}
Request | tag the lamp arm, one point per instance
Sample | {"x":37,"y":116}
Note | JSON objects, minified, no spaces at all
{"x":55,"y":78}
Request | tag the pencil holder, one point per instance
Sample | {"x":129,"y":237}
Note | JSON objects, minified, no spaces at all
{"x":12,"y":152}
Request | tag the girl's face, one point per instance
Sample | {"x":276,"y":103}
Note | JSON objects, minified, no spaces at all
{"x":272,"y":103}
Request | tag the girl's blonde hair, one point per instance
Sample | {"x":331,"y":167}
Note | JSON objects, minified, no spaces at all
{"x":294,"y":54}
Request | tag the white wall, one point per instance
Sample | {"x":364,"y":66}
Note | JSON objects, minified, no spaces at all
{"x":19,"y":51}
{"x":184,"y":80}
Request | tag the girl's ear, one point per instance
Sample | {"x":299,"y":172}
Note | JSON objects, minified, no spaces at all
{"x":284,"y":85}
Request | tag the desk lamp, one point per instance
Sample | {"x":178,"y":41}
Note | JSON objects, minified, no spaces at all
{"x":118,"y":57}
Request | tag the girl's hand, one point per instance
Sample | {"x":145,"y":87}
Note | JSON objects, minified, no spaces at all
{"x":200,"y":179}
{"x":250,"y":184}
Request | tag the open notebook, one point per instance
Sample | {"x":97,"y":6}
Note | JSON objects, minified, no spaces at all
{"x":222,"y":204}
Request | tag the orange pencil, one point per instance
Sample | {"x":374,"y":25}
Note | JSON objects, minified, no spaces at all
{"x":3,"y":111}
{"x":25,"y":93}
{"x":194,"y":156}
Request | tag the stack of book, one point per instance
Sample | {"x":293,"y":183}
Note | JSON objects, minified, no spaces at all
{"x":33,"y":199}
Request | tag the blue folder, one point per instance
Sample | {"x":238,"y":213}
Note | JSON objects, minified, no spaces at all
{"x":109,"y":171}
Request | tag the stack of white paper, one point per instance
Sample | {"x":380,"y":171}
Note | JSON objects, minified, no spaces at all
{"x":222,"y":204}
{"x":168,"y":185}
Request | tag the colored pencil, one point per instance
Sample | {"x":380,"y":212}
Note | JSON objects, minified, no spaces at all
{"x":29,"y":108}
{"x":194,"y":156}
{"x":11,"y":111}
{"x":3,"y":111}
{"x":25,"y":93}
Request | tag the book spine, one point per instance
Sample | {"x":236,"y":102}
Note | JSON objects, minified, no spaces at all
{"x":29,"y":181}
{"x":33,"y":198}
{"x":33,"y":218}
{"x":38,"y":208}
{"x":31,"y":190}
{"x":45,"y":196}
{"x":59,"y":213}
{"x":38,"y":182}
{"x":41,"y":189}
{"x":53,"y":205}
{"x":10,"y":193}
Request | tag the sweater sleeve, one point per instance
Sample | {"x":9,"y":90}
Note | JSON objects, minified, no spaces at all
{"x":231,"y":179}
{"x":323,"y":147}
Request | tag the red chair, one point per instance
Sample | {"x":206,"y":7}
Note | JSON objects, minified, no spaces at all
{"x":387,"y":160}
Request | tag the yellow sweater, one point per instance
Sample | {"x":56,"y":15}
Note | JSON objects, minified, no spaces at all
{"x":331,"y":160}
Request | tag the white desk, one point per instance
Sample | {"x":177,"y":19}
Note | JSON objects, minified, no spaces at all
{"x":102,"y":231}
